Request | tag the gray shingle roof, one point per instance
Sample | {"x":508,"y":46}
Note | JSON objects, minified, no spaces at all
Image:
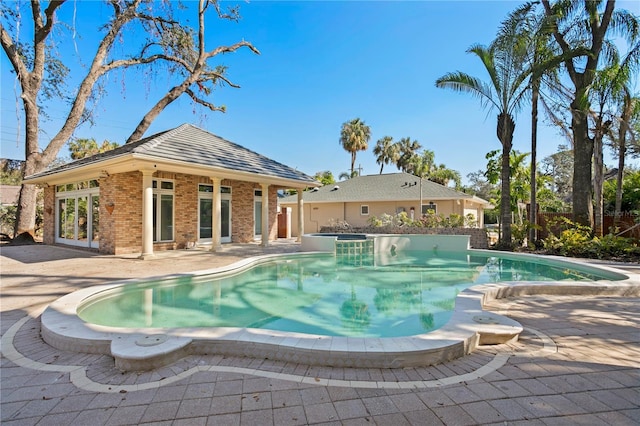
{"x":381,"y":187}
{"x":188,"y":143}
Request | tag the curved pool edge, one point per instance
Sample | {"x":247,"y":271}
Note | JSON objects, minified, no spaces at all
{"x":149,"y":348}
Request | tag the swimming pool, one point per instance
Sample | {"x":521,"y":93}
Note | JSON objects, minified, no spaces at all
{"x":381,"y":295}
{"x":147,"y":345}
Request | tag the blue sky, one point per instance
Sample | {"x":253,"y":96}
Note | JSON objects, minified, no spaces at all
{"x":321,"y":64}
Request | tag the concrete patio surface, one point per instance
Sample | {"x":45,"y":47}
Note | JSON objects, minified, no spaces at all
{"x":578,"y":362}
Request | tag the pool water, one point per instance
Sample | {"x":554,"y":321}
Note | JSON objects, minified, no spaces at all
{"x":383,"y":296}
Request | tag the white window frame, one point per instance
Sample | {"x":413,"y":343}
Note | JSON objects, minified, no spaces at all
{"x":225,"y":195}
{"x":426,"y":207}
{"x":158,"y":192}
{"x":89,"y":189}
{"x":364,"y":210}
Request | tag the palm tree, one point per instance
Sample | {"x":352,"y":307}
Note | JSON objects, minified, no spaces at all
{"x":504,"y":93}
{"x":354,"y":137}
{"x":525,"y":27}
{"x":407,"y":150}
{"x":386,"y":152}
{"x":444,"y":175}
{"x":422,"y":165}
{"x":347,"y":175}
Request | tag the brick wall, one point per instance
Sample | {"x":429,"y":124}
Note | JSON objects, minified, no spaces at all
{"x":121,"y":211}
{"x":126,"y":191}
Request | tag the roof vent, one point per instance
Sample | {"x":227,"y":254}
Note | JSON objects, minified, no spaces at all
{"x":335,"y":188}
{"x":314,"y":189}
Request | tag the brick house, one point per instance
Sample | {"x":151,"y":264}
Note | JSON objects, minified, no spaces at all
{"x":173,"y":190}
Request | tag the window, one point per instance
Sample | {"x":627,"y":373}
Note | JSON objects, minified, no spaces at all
{"x":364,"y":210}
{"x":77,"y":213}
{"x":429,"y":209}
{"x":257,"y":212}
{"x":162,"y":210}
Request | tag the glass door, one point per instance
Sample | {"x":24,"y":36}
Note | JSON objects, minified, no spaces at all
{"x":225,"y":221}
{"x":205,"y":214}
{"x":205,"y":220}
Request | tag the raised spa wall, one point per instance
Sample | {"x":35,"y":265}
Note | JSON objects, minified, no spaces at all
{"x":478,"y":237}
{"x":388,"y":243}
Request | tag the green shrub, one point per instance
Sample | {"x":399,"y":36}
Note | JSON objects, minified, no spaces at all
{"x":577,"y":241}
{"x":428,"y":220}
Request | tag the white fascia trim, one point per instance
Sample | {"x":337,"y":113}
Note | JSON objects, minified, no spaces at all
{"x":191,"y":169}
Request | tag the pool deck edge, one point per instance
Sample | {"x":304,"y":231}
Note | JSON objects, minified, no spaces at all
{"x":470,"y":326}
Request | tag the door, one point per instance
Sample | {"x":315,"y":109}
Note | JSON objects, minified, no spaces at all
{"x":77,"y":214}
{"x":205,"y":212}
{"x":225,"y":220}
{"x":205,"y":220}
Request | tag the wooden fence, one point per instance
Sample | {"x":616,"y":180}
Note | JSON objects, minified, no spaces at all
{"x":626,"y":224}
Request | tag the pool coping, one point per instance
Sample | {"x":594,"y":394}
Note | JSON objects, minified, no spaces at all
{"x":142,"y":349}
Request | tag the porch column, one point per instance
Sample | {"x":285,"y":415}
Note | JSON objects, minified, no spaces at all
{"x":215,"y":215}
{"x":147,"y":214}
{"x":265,"y":215}
{"x":300,"y":215}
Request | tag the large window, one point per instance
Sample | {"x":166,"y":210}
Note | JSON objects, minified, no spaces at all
{"x":77,"y":213}
{"x":162,"y":210}
{"x":430,"y":208}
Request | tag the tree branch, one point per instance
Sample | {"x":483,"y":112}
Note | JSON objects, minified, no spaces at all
{"x":202,"y":102}
{"x":232,"y":48}
{"x":125,"y":63}
{"x":12,"y":53}
{"x":96,"y":70}
{"x":214,"y":76}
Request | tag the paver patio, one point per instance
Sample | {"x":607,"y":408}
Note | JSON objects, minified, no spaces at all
{"x":578,"y":362}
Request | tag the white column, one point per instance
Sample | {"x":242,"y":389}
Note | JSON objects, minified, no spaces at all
{"x":215,"y":215}
{"x":265,"y":215}
{"x":300,"y":215}
{"x":147,"y":214}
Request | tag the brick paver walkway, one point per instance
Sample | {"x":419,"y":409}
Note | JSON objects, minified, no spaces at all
{"x":578,"y":362}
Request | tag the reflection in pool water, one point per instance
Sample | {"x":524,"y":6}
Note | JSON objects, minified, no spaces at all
{"x":377,"y":296}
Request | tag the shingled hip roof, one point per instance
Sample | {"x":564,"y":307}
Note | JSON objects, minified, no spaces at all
{"x":188,"y":145}
{"x":382,"y":187}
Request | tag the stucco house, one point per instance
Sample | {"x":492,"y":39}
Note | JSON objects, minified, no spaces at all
{"x":175,"y":189}
{"x":357,"y":199}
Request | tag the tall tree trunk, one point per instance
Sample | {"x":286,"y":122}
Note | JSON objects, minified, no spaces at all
{"x":533,"y":208}
{"x":598,"y":178}
{"x":353,"y":162}
{"x":506,"y":127}
{"x":621,"y":154}
{"x":582,"y":156}
{"x":627,"y":109}
{"x":26,"y":211}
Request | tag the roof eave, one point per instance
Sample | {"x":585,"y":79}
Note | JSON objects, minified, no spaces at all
{"x":135,"y":161}
{"x":119,"y":164}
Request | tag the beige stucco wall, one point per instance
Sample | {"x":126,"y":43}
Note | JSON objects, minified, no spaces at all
{"x":317,"y":215}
